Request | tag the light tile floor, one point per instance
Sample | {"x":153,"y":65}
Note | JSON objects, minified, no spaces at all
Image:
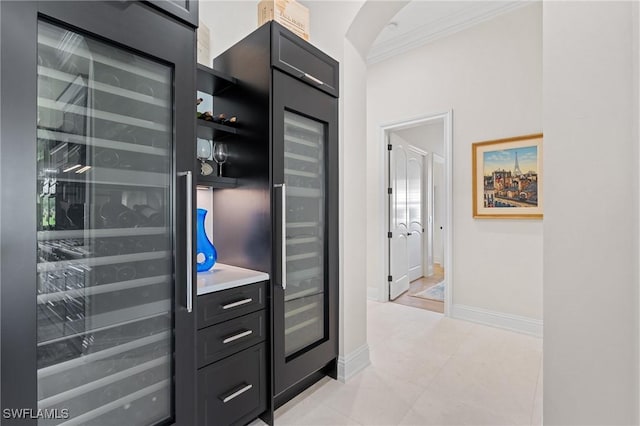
{"x":430,"y":370}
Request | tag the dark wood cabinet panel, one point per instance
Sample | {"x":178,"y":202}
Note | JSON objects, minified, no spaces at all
{"x":229,"y":337}
{"x":183,"y":10}
{"x":233,"y":391}
{"x":223,"y":305}
{"x":300,"y":59}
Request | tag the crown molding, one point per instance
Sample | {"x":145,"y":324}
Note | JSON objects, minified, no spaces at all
{"x":439,"y":29}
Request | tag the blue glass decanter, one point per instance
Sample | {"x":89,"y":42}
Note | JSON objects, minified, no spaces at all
{"x":204,"y":245}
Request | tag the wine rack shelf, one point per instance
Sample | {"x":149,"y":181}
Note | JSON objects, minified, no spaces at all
{"x":106,"y":353}
{"x":217,"y":181}
{"x":105,"y":260}
{"x":55,"y":74}
{"x":103,"y":382}
{"x":120,"y":177}
{"x":213,"y":82}
{"x":93,"y":113}
{"x":295,"y":191}
{"x":90,"y":415}
{"x":100,"y":143}
{"x":212,"y":130}
{"x":48,"y":42}
{"x":101,"y":233}
{"x":101,"y":289}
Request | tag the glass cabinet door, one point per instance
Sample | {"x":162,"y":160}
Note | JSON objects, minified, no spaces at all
{"x":104,"y":236}
{"x":305,"y":290}
{"x":304,"y":176}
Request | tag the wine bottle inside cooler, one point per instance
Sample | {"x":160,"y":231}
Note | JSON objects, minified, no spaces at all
{"x":125,"y":272}
{"x":105,"y":274}
{"x":106,"y":158}
{"x":152,"y":216}
{"x":117,"y":215}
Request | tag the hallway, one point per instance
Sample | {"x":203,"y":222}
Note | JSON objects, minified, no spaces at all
{"x":430,"y":370}
{"x":409,"y":297}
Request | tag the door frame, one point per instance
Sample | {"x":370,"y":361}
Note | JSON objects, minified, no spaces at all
{"x":435,"y":158}
{"x":385,"y":131}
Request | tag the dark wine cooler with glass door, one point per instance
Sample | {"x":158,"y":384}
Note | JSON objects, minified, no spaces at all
{"x":288,"y":153}
{"x":97,"y":322}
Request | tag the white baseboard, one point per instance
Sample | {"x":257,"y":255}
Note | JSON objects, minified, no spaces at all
{"x":517,"y":323}
{"x":352,"y":363}
{"x":373,"y":294}
{"x":437,"y":260}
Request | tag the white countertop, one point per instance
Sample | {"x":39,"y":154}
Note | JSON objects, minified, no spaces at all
{"x":223,"y":277}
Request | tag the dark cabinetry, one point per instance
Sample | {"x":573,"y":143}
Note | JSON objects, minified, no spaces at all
{"x":211,"y":85}
{"x":283,"y":217}
{"x":184,"y":10}
{"x":95,"y":316}
{"x":231,"y":354}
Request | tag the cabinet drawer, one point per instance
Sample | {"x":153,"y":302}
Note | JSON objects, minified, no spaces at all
{"x":223,"y":305}
{"x":300,"y":59}
{"x":227,"y":338}
{"x":233,"y":391}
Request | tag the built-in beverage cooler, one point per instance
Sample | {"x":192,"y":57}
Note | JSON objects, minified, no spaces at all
{"x":286,"y":158}
{"x":97,"y":321}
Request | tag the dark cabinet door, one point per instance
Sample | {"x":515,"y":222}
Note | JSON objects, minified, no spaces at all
{"x":305,"y":200}
{"x":185,"y":10}
{"x":96,"y":326}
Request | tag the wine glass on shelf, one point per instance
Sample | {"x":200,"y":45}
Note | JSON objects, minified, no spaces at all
{"x":203,"y":154}
{"x":220,"y":154}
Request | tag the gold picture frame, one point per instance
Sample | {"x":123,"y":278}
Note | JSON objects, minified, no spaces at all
{"x":507,"y":178}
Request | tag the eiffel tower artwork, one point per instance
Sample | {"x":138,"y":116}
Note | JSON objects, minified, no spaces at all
{"x":507,"y":177}
{"x":516,"y":168}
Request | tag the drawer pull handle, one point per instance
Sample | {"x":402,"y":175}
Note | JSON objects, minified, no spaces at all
{"x":238,"y":303}
{"x":237,"y":336}
{"x":236,"y":393}
{"x":315,"y":80}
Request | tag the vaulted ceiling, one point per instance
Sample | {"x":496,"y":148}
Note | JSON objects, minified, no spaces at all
{"x":422,"y":21}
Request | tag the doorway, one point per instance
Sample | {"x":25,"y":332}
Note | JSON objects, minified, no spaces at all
{"x":418,"y":182}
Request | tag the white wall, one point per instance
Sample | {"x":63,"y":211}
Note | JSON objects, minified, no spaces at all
{"x":491,"y":76}
{"x":590,"y":244}
{"x":228,"y":21}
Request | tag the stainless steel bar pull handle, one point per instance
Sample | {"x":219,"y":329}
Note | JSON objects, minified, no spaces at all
{"x":315,"y":80}
{"x":283,"y":237}
{"x":189,"y":213}
{"x":238,"y":303}
{"x":237,"y":336}
{"x":237,"y":393}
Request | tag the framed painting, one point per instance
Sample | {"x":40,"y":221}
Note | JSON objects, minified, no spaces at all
{"x":507,"y":178}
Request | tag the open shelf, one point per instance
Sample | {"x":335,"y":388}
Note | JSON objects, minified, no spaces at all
{"x":205,"y":128}
{"x":213,"y":82}
{"x":217,"y":181}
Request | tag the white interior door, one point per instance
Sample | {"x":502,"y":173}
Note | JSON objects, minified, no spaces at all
{"x":415,"y":239}
{"x":398,"y":244}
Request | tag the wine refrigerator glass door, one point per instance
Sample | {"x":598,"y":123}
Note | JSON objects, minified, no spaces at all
{"x":104,"y":236}
{"x":306,"y":337}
